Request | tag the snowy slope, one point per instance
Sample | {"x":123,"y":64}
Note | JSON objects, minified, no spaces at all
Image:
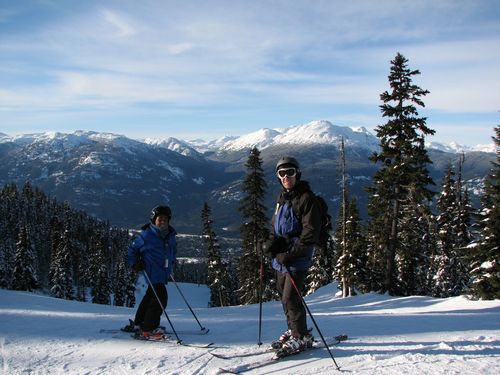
{"x":412,"y":335}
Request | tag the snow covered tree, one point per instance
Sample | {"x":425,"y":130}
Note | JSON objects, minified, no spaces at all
{"x":61,"y":280}
{"x":9,"y":200}
{"x":124,"y":284}
{"x":320,"y":273}
{"x":254,"y":231}
{"x":486,"y":255}
{"x":403,"y":160}
{"x":350,"y":268}
{"x":24,"y":276}
{"x":416,"y":247}
{"x":217,"y":275}
{"x":100,"y":283}
{"x":451,"y":273}
{"x":35,"y":245}
{"x":464,"y":209}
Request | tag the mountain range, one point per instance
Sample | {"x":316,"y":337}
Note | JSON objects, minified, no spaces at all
{"x":120,"y":179}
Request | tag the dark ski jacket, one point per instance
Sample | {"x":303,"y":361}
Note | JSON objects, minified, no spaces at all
{"x":297,"y":219}
{"x":158,"y":254}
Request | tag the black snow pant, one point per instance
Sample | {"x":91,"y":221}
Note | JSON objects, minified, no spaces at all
{"x":148,"y":314}
{"x":292,"y":304}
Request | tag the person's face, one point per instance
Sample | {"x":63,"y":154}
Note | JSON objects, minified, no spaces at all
{"x":161,"y":221}
{"x":288,"y":177}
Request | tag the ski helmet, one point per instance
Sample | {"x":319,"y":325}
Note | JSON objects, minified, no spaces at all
{"x":160,"y":210}
{"x":289,"y":161}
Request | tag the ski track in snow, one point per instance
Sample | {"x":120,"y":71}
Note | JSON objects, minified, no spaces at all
{"x":410,"y":335}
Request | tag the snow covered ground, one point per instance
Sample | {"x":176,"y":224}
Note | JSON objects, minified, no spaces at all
{"x":387,"y":335}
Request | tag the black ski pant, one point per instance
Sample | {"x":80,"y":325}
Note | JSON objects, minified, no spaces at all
{"x":148,"y":314}
{"x":292,"y":303}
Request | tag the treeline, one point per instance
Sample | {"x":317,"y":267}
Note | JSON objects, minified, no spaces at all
{"x":48,"y":245}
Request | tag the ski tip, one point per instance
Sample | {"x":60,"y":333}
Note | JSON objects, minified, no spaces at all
{"x":341,"y":337}
{"x":220,"y":356}
{"x":226,"y":371}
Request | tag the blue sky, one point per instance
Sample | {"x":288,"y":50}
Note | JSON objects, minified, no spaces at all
{"x":205,"y":69}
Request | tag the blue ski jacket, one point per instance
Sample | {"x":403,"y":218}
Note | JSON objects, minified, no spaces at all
{"x":298,"y":220}
{"x":157,"y":253}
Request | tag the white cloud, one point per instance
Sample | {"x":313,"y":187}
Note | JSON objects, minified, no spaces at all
{"x":122,"y":27}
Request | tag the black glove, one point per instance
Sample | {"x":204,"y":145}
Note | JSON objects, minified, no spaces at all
{"x":139,"y":266}
{"x":275,"y":246}
{"x":283,"y":258}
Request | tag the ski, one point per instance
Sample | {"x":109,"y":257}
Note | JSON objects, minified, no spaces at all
{"x":242,"y":355}
{"x":337,"y":340}
{"x":170,"y":340}
{"x":210,"y":345}
{"x":186,"y":332}
{"x":268,"y":361}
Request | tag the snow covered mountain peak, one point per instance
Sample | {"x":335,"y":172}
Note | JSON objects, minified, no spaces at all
{"x":69,"y":141}
{"x":261,"y":139}
{"x":456,"y":147}
{"x":173,"y":144}
{"x":314,"y":132}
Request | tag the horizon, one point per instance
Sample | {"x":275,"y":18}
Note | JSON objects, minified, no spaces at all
{"x":206,"y":70}
{"x":196,"y":142}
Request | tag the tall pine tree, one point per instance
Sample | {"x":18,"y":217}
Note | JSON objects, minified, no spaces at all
{"x":254,"y":230}
{"x":486,"y":256}
{"x":24,"y":276}
{"x":61,"y":280}
{"x":451,"y":273}
{"x":217,"y":275}
{"x":403,"y":172}
{"x":351,"y":264}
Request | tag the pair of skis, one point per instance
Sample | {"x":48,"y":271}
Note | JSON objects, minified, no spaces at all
{"x":268,"y":361}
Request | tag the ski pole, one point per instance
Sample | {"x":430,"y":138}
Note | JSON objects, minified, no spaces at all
{"x":185,"y":300}
{"x":161,"y":305}
{"x":312,"y":318}
{"x":259,"y":343}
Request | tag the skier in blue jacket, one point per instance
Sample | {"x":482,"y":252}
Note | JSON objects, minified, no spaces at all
{"x":153,"y":251}
{"x":296,"y":227}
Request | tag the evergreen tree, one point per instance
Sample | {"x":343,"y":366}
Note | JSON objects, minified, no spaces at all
{"x":464,"y":236}
{"x":375,"y":254}
{"x":404,"y":161}
{"x":24,"y":277}
{"x":350,"y":267}
{"x":124,"y":283}
{"x":486,"y":262}
{"x":320,"y":273}
{"x":10,"y":221}
{"x":101,"y":288}
{"x":60,"y":259}
{"x":253,"y":232}
{"x":61,"y":280}
{"x":451,"y":274}
{"x":416,"y":246}
{"x":217,"y":278}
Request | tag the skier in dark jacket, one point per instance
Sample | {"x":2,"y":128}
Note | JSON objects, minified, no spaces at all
{"x":153,"y":251}
{"x":296,"y":227}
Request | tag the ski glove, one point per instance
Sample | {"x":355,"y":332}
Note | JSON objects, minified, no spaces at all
{"x":283,"y":258}
{"x":139,"y":266}
{"x":275,"y":246}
